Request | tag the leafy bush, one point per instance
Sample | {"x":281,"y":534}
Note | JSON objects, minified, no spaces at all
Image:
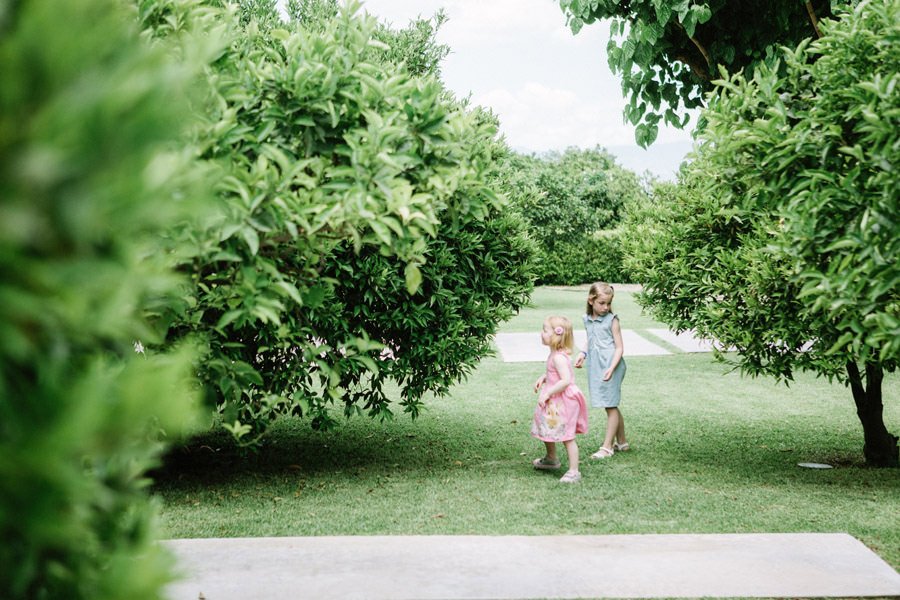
{"x":86,"y":187}
{"x":359,"y":235}
{"x":573,"y":203}
{"x":598,"y":257}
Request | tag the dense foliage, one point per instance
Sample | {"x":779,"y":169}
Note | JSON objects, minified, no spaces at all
{"x":668,"y":51}
{"x":780,"y":240}
{"x":88,"y":181}
{"x":573,"y":203}
{"x":359,"y":235}
{"x":413,"y":46}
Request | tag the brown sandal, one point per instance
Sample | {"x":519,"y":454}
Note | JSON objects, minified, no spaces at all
{"x":545,"y":464}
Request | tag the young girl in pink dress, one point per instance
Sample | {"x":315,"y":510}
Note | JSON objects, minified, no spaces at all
{"x":561,"y":411}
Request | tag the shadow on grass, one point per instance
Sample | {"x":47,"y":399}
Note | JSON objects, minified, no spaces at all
{"x":291,"y":446}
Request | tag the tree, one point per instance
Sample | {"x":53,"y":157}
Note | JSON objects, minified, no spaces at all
{"x":359,"y":236}
{"x":669,"y":51}
{"x":573,"y":202}
{"x":779,"y":240}
{"x":91,"y":175}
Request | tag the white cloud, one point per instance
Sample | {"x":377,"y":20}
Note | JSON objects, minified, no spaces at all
{"x":536,"y":118}
{"x":471,"y":20}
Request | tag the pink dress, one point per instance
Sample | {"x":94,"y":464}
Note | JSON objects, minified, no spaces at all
{"x":565,"y":413}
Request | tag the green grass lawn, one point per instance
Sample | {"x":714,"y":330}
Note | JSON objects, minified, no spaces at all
{"x":713,"y":452}
{"x":570,"y":302}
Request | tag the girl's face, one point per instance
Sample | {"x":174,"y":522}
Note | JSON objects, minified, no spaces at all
{"x":546,"y":334}
{"x":601,"y":305}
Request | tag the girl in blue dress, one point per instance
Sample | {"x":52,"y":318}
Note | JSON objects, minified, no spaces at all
{"x":605,"y":365}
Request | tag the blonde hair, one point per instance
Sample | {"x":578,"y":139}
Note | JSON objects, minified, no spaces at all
{"x":598,"y":289}
{"x":565,"y":339}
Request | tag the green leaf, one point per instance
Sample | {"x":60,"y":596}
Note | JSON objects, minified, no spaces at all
{"x":702,"y":13}
{"x":251,"y":238}
{"x":413,"y":278}
{"x":314,"y":296}
{"x":228,"y":318}
{"x":291,"y":290}
{"x":237,"y":429}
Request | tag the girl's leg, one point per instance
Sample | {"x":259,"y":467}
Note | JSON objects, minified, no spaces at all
{"x":613,"y":420}
{"x":551,"y":450}
{"x":620,"y":431}
{"x":548,"y":462}
{"x":572,"y":451}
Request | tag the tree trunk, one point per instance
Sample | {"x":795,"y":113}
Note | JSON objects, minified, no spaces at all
{"x":880,"y":446}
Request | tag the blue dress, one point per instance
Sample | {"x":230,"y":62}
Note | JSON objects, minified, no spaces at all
{"x":600,"y":351}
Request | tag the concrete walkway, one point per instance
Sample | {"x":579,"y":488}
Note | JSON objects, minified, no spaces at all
{"x":518,"y":567}
{"x":527,"y":347}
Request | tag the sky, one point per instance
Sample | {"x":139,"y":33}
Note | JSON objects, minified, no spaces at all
{"x":550,"y":89}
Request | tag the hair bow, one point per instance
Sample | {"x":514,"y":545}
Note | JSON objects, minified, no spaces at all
{"x":558,"y":331}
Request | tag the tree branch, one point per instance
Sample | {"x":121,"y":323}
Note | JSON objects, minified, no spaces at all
{"x":701,"y":72}
{"x":698,"y":69}
{"x":812,"y":18}
{"x":702,"y":50}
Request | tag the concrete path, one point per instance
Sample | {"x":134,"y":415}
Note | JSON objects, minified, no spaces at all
{"x":527,"y":347}
{"x":519,"y":567}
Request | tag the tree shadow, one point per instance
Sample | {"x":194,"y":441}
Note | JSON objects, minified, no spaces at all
{"x":359,"y":444}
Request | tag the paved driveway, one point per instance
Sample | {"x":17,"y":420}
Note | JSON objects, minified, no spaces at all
{"x":466,"y":567}
{"x":527,"y":347}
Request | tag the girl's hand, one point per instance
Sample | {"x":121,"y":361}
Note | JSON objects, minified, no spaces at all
{"x":580,"y":360}
{"x":542,"y":399}
{"x":540,"y":381}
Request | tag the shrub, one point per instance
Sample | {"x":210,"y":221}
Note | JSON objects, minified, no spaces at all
{"x":598,"y":257}
{"x":86,"y":187}
{"x":573,"y":203}
{"x":357,"y":217}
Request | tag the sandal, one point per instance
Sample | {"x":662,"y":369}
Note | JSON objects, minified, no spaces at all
{"x":621,"y":447}
{"x":545,"y":464}
{"x":603,"y":452}
{"x":570,"y":477}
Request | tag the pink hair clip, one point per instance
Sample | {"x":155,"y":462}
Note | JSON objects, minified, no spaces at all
{"x":558,"y":331}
